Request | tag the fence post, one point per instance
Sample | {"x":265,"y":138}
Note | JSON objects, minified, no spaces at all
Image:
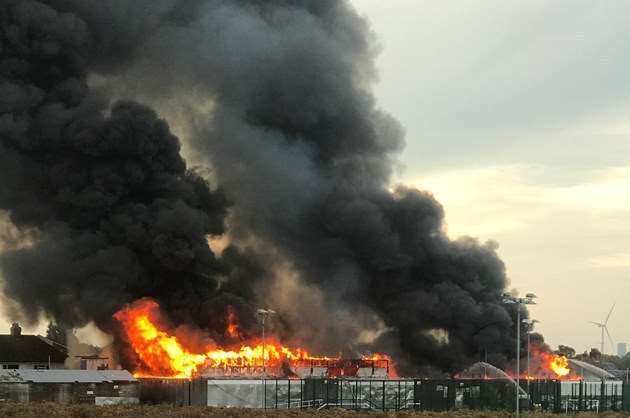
{"x":383,"y":403}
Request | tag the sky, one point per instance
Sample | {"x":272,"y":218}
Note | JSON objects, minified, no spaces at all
{"x":516,"y":115}
{"x":518,"y":121}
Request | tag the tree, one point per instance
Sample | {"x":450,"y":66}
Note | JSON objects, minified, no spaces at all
{"x":565,"y":350}
{"x":56,"y":333}
{"x":595,"y":355}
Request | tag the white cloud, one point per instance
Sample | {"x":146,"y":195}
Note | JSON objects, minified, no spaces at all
{"x":483,"y":201}
{"x":607,"y":191}
{"x":486,"y":201}
{"x":620,"y":260}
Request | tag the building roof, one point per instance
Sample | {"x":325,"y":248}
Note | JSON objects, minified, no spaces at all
{"x":65,"y":376}
{"x":29,"y":349}
{"x":482,"y":370}
{"x":589,"y":371}
{"x":92,"y":357}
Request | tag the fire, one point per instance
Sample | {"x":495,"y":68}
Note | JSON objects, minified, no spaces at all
{"x":392,"y":373}
{"x":548,"y":365}
{"x":232,"y":324}
{"x":560,"y":365}
{"x":162,"y":354}
{"x":554,"y":365}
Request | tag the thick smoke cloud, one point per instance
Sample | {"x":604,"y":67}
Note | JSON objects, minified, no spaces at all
{"x":278,"y":104}
{"x":118,"y":215}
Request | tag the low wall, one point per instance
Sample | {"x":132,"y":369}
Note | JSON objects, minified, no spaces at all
{"x":66,"y":393}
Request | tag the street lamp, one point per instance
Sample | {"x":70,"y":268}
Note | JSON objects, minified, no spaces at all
{"x":527,"y":300}
{"x":530,"y":327}
{"x":263,"y":314}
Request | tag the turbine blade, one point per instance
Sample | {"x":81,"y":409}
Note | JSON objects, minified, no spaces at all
{"x":612,"y":344}
{"x":610,"y":313}
{"x":596,"y":323}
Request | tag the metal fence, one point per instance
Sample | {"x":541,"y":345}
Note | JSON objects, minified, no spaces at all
{"x":403,"y":394}
{"x":557,"y":396}
{"x":445,"y":395}
{"x":361,"y":394}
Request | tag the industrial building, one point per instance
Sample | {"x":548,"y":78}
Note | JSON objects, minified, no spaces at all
{"x":482,"y":386}
{"x":589,"y":372}
{"x":33,"y":369}
{"x":622,"y":349}
{"x":100,"y":387}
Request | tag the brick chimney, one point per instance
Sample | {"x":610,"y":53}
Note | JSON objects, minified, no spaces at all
{"x":16,"y":330}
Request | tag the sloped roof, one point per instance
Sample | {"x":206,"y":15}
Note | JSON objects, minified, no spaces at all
{"x":482,"y":370}
{"x":29,"y":349}
{"x":587,"y":370}
{"x":66,"y":376}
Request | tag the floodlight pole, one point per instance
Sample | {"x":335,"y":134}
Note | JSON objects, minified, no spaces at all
{"x":263,"y":314}
{"x":263,"y":344}
{"x":528,"y":355}
{"x":518,"y":359}
{"x":527,"y":300}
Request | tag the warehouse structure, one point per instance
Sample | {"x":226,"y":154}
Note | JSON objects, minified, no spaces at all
{"x":98,"y":387}
{"x":589,"y":372}
{"x":482,"y":386}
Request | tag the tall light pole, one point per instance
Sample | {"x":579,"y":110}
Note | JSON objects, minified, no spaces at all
{"x":530,"y":327}
{"x":263,"y":314}
{"x":527,"y":300}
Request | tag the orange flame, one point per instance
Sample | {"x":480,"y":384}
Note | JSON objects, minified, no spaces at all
{"x":391,"y":373}
{"x":559,"y":365}
{"x":161,"y":354}
{"x":549,"y":365}
{"x":232,"y":324}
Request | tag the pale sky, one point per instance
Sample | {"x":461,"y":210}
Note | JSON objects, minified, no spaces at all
{"x":517,"y":117}
{"x":518,"y":120}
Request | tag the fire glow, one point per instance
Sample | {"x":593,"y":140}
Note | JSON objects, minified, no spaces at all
{"x":232,"y":324}
{"x":556,"y":365}
{"x":547,"y":365}
{"x":560,"y":366}
{"x":161,"y":354}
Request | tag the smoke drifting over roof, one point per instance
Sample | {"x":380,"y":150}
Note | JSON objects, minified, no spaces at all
{"x":274,"y":97}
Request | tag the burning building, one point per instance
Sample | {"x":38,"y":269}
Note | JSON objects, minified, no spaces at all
{"x":161,"y":354}
{"x":285,"y":198}
{"x":541,"y":365}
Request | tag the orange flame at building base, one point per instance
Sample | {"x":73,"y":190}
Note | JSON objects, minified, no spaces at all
{"x":548,"y":365}
{"x":161,"y":354}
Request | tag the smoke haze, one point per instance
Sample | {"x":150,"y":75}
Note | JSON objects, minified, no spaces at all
{"x":274,"y":99}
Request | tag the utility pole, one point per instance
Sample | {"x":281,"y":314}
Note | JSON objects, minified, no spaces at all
{"x":527,"y":300}
{"x":263,"y":314}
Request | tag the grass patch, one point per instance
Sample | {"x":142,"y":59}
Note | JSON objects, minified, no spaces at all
{"x":52,"y":410}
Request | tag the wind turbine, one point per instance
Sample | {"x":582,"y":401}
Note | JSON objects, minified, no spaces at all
{"x":604,"y":327}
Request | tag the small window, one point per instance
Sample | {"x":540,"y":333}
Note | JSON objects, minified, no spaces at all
{"x":10,"y":366}
{"x":41,"y":367}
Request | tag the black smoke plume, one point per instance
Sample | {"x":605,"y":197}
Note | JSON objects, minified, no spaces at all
{"x":117,"y":212}
{"x":275,"y":97}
